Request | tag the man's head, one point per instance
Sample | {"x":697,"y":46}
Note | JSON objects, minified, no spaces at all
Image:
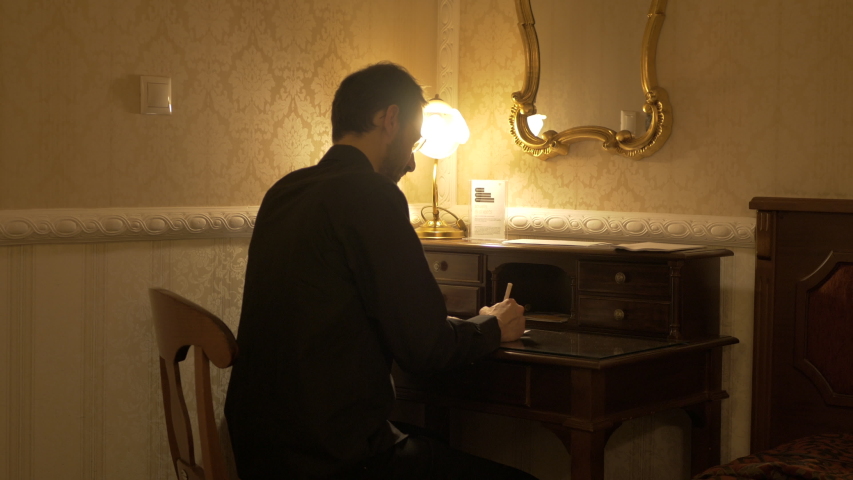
{"x":381,"y":105}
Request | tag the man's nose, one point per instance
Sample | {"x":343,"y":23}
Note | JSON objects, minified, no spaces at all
{"x":410,"y":165}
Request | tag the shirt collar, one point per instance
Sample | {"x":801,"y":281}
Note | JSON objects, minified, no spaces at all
{"x":349,"y":154}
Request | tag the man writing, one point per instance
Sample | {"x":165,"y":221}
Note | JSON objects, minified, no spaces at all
{"x":337,"y":286}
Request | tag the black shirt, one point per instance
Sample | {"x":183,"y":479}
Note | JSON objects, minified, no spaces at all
{"x":337,"y":286}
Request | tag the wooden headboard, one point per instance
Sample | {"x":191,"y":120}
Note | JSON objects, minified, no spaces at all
{"x":803,"y":344}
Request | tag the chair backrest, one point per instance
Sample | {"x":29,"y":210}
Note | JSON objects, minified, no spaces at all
{"x":179,"y":324}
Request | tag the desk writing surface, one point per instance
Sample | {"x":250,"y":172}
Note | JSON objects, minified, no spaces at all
{"x":585,"y":345}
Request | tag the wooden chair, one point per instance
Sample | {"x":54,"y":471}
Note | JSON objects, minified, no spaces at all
{"x":180,"y":324}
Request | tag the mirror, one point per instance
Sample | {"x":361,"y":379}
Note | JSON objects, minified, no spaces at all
{"x":581,"y":68}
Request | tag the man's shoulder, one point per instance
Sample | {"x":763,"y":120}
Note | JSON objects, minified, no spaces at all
{"x":330,"y":184}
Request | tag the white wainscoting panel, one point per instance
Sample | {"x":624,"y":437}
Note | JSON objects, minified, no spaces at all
{"x":57,"y":367}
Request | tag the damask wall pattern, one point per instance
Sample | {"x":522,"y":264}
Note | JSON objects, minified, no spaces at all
{"x":761,"y":107}
{"x":760,"y":103}
{"x":252,"y":82}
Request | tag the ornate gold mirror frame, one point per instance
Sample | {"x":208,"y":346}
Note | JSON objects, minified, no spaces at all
{"x":551,"y":143}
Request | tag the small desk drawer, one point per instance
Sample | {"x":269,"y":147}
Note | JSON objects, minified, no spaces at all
{"x":624,"y":315}
{"x":455,"y":266}
{"x":460,"y":300}
{"x":624,"y":278}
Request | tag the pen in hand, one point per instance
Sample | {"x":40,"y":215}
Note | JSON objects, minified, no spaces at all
{"x":506,"y":297}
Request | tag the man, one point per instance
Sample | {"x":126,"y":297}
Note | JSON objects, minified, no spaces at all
{"x":337,"y":286}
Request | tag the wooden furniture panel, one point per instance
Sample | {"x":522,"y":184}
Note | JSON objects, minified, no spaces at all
{"x":803,"y":319}
{"x":455,"y":267}
{"x":668,"y":295}
{"x":624,"y":315}
{"x":461,"y":300}
{"x":624,"y":279}
{"x":664,"y":351}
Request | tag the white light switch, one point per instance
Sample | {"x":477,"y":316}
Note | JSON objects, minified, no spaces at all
{"x":155,"y":95}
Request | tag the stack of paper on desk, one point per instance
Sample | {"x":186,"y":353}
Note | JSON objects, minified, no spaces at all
{"x":540,"y":241}
{"x":634,"y":247}
{"x":656,"y":247}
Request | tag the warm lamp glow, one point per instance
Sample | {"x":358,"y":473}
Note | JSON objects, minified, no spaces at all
{"x":535,"y":123}
{"x":444,"y":129}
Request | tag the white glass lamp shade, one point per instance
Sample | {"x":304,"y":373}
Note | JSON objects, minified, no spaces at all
{"x":444,"y":129}
{"x":535,"y":123}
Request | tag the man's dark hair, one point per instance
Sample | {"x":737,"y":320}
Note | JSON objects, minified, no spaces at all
{"x":370,"y":90}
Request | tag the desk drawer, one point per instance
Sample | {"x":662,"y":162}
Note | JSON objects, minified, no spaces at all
{"x":624,"y":278}
{"x":460,"y":300}
{"x":625,"y":315}
{"x":458,"y":267}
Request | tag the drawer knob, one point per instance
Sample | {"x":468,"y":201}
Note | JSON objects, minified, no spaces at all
{"x":619,"y":314}
{"x":439,"y":266}
{"x":621,"y":278}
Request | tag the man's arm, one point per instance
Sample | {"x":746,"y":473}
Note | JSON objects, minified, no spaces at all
{"x":400,"y":294}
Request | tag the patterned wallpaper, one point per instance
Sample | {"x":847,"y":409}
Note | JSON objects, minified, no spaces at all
{"x":760,"y":99}
{"x":761,"y":103}
{"x":252,"y":85}
{"x":759,"y":93}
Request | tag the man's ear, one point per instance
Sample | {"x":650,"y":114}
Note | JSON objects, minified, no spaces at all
{"x":391,"y":121}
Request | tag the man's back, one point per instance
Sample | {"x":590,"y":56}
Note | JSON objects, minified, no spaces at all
{"x":336,"y":287}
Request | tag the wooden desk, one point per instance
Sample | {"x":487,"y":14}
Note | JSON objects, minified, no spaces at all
{"x":617,"y":335}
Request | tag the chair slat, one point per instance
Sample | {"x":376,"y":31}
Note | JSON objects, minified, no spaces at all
{"x":180,"y":324}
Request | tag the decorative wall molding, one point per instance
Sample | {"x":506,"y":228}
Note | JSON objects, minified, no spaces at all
{"x":632,"y":226}
{"x":448,"y":87}
{"x":118,"y":224}
{"x":19,"y":227}
{"x":619,"y":227}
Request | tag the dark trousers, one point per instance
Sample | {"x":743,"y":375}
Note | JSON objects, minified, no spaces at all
{"x":425,"y":456}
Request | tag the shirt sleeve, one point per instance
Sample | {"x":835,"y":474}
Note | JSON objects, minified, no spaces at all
{"x":399,"y":293}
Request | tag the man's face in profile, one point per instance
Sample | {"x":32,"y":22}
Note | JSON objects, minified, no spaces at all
{"x":400,"y":158}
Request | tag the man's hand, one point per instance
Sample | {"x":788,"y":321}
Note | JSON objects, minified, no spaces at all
{"x":510,"y":319}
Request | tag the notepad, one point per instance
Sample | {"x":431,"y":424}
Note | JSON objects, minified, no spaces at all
{"x":656,"y":247}
{"x":571,"y":243}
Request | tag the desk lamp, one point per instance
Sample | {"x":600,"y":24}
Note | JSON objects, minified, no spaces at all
{"x":443,"y":131}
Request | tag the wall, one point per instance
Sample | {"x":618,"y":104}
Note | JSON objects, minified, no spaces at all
{"x":252,"y":85}
{"x":81,"y":386}
{"x":759,"y":109}
{"x":761,"y":106}
{"x":79,"y":373}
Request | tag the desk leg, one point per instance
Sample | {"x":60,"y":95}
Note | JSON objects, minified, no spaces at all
{"x":705,"y":418}
{"x":705,"y":435}
{"x":586,"y":449}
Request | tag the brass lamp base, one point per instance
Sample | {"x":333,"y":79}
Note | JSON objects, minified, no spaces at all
{"x":438,"y":230}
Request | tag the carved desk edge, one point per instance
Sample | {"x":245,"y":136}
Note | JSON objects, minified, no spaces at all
{"x":683,"y":348}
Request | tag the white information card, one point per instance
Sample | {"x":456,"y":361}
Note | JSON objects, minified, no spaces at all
{"x":488,"y":209}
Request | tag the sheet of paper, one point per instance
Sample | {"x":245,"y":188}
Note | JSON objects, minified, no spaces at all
{"x":571,"y":243}
{"x":656,"y":247}
{"x":488,"y":210}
